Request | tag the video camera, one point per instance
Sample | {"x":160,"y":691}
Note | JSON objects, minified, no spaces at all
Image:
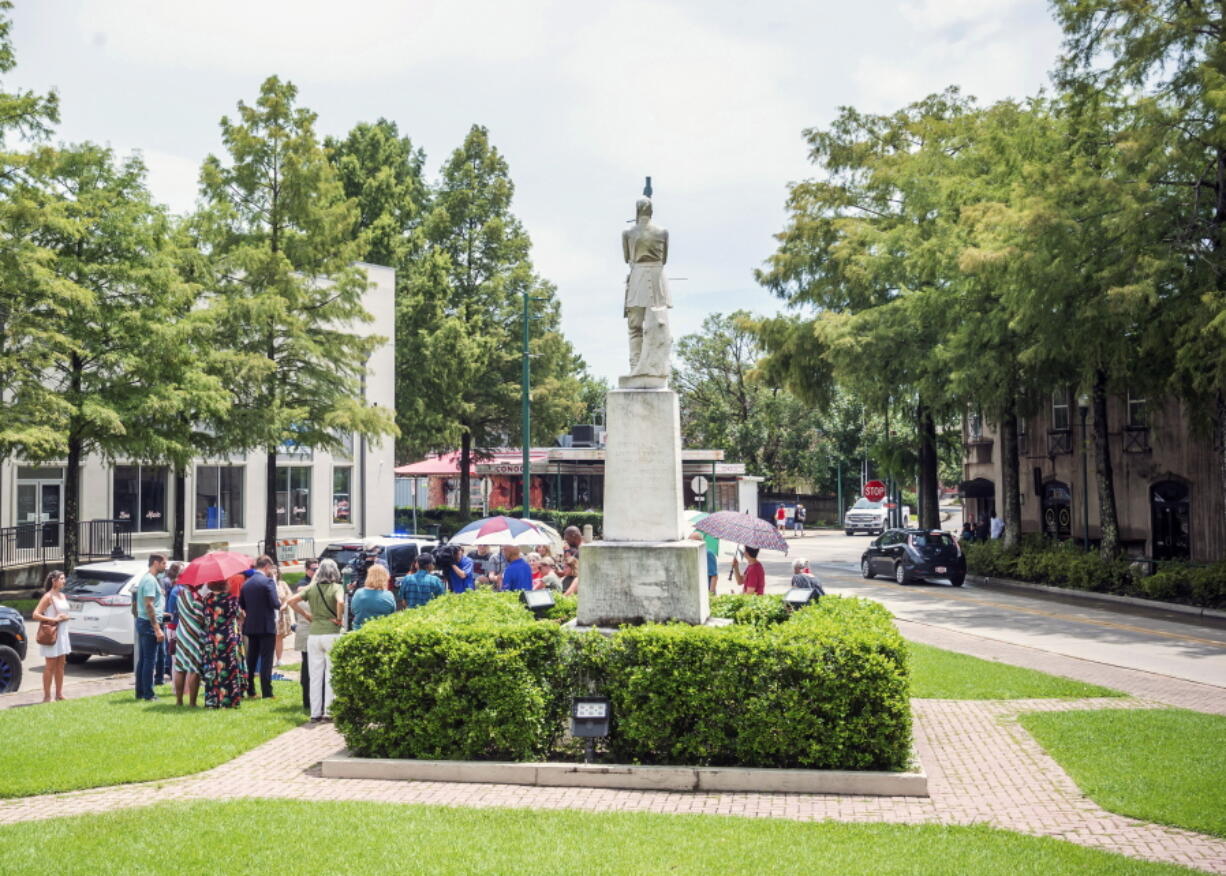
{"x":447,"y":556}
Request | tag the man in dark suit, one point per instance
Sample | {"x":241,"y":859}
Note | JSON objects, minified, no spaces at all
{"x":260,"y":604}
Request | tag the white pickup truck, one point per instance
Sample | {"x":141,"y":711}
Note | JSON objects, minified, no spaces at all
{"x":866,"y":516}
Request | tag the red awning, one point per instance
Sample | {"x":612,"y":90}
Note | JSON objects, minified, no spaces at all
{"x":448,"y":465}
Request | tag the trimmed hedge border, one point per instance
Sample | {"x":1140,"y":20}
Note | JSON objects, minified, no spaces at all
{"x":475,"y":677}
{"x":1068,"y":567}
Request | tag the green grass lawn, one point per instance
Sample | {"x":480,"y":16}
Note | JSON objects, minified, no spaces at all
{"x":289,"y":837}
{"x":1167,"y":766}
{"x":291,"y":667}
{"x":113,"y":738}
{"x":945,"y":675}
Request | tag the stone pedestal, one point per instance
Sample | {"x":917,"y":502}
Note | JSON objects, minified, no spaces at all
{"x":644,"y":570}
{"x":634,"y":582}
{"x":642,"y":480}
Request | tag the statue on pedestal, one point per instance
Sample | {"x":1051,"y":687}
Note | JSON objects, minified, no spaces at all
{"x":645,"y":248}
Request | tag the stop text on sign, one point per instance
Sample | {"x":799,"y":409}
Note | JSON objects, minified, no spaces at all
{"x":874,"y":491}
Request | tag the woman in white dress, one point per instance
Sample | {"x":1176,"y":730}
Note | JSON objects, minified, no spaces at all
{"x":54,"y":607}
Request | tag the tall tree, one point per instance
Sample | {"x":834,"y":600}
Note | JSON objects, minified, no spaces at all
{"x":131,"y":370}
{"x":727,"y":405}
{"x":383,"y":172}
{"x":865,"y":248}
{"x":280,"y":234}
{"x":462,"y":320}
{"x":1172,"y":55}
{"x":33,"y":296}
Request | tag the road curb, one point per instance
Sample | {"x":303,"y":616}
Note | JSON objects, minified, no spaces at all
{"x":1089,"y":596}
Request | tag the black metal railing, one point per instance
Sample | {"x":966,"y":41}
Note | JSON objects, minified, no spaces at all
{"x":28,"y":544}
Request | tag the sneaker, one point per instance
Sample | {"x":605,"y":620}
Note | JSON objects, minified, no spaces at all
{"x":315,"y":719}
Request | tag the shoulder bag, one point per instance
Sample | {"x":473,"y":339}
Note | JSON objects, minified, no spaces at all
{"x":48,"y":631}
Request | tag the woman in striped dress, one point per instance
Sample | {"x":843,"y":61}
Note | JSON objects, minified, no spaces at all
{"x":189,"y":636}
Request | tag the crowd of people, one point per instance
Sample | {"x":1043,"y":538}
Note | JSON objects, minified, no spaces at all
{"x":221,"y":636}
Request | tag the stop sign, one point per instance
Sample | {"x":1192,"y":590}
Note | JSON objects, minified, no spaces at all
{"x":874,"y":491}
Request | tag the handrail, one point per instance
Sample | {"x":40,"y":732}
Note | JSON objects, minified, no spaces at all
{"x":28,"y":544}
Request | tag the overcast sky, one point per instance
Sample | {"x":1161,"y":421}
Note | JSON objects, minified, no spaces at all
{"x":584,"y":99}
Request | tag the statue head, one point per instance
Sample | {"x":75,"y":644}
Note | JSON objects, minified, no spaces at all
{"x":642,"y":208}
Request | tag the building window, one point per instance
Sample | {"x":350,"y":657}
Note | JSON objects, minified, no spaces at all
{"x":974,"y":424}
{"x":140,"y":497}
{"x":294,"y":495}
{"x":1138,"y":412}
{"x":1060,"y":411}
{"x":219,"y":496}
{"x":342,"y":485}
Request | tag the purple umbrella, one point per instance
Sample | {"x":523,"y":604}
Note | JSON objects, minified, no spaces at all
{"x":743,"y":529}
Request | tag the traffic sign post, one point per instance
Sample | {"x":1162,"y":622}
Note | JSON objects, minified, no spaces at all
{"x":874,"y":491}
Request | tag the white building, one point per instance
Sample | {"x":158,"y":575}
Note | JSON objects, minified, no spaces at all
{"x":321,"y":496}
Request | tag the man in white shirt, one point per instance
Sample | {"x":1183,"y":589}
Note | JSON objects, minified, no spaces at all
{"x":998,"y":526}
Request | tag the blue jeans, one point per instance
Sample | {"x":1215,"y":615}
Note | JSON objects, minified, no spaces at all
{"x":147,"y":646}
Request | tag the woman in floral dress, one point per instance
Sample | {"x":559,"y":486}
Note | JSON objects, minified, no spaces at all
{"x":221,"y":650}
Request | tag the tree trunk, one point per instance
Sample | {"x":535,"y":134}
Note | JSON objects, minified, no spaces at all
{"x":1010,"y":476}
{"x":466,"y":449}
{"x":929,"y":510}
{"x":270,"y":513}
{"x":178,"y":549}
{"x":1108,"y":521}
{"x":72,"y":504}
{"x":1219,"y":434}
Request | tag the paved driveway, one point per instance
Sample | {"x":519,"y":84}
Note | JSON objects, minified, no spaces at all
{"x":1137,"y":638}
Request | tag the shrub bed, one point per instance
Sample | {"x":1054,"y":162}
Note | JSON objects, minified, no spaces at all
{"x":475,"y":677}
{"x":1067,"y":565}
{"x":828,"y":689}
{"x":471,"y":677}
{"x":749,"y":608}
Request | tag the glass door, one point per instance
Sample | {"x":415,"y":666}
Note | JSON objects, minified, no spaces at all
{"x":40,"y":507}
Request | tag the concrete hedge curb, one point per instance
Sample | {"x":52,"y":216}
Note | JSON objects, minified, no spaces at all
{"x":912,"y":783}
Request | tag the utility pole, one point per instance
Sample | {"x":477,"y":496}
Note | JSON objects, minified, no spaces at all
{"x":838,"y":467}
{"x":525,"y":411}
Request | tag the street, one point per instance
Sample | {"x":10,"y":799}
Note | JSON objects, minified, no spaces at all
{"x":1136,"y":638}
{"x":1150,"y":640}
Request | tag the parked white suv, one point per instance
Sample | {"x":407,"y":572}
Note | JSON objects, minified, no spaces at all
{"x":100,"y":605}
{"x":866,"y":516}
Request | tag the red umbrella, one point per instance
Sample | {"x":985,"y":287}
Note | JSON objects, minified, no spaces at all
{"x":214,"y":566}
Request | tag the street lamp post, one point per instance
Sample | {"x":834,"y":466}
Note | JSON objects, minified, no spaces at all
{"x":526,"y":412}
{"x":1083,"y":408}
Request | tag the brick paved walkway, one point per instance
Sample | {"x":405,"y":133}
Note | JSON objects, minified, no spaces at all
{"x":982,"y":768}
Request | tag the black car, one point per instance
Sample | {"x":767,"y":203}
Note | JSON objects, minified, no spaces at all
{"x":908,"y":555}
{"x":12,"y":648}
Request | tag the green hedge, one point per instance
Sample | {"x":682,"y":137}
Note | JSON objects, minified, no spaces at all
{"x":828,"y":689}
{"x":1065,"y":564}
{"x":474,"y":676}
{"x":469,"y":677}
{"x":750,"y":608}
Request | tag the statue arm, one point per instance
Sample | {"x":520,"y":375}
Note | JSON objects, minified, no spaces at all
{"x":666,"y":247}
{"x":626,"y":246}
